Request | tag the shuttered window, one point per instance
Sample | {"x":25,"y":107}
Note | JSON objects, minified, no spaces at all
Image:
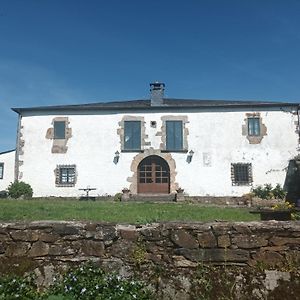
{"x":59,"y":129}
{"x":174,"y":138}
{"x":1,"y":170}
{"x":132,"y":135}
{"x":253,"y":126}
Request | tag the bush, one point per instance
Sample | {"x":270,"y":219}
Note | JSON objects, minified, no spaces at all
{"x":3,"y":194}
{"x":268,"y":192}
{"x":19,"y":189}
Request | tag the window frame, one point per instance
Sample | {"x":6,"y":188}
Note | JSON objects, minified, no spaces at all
{"x":172,"y":146}
{"x":234,"y":174}
{"x":59,"y":175}
{"x":1,"y":170}
{"x":58,"y":136}
{"x":125,"y":143}
{"x":252,"y":126}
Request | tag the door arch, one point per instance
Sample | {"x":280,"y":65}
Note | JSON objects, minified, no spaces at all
{"x":153,"y":176}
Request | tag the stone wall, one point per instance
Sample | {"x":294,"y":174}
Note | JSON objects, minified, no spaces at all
{"x":175,"y":248}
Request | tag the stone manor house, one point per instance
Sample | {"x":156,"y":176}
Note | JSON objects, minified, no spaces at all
{"x":155,"y":146}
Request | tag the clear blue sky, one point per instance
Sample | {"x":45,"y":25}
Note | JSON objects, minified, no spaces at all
{"x":78,"y":51}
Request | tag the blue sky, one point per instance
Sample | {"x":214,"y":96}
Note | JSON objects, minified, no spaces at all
{"x":79,"y":51}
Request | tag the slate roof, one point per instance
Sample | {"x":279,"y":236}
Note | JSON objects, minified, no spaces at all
{"x":167,"y":103}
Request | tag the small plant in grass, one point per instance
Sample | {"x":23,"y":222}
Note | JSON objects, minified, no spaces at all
{"x":268,"y":192}
{"x":20,"y":189}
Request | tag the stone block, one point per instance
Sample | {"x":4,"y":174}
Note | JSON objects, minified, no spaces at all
{"x":207,"y":240}
{"x":131,"y":235}
{"x":93,"y":248}
{"x":38,"y":249}
{"x":25,"y":235}
{"x":224,"y":241}
{"x":279,"y":241}
{"x":249,"y":241}
{"x":183,"y":239}
{"x":214,"y":255}
{"x":17,"y":249}
{"x":48,"y":237}
{"x":61,"y":250}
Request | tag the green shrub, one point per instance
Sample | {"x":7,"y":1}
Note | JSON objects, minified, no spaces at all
{"x":18,"y":288}
{"x":268,"y":192}
{"x":89,"y":282}
{"x":19,"y":189}
{"x":118,"y":197}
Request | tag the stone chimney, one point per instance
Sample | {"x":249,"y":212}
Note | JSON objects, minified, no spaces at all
{"x":157,"y":93}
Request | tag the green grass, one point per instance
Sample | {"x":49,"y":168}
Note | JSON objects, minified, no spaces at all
{"x":130,"y":212}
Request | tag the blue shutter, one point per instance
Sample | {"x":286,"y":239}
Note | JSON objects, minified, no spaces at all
{"x":174,"y":139}
{"x":132,"y":135}
{"x":253,"y":126}
{"x":59,"y":130}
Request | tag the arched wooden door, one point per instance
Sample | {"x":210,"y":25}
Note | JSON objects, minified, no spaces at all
{"x":153,"y":176}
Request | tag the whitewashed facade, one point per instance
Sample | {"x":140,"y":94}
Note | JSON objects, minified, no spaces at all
{"x":7,"y":168}
{"x":214,"y":147}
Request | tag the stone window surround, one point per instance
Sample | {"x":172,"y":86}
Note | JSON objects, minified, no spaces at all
{"x":250,"y":175}
{"x":2,"y":170}
{"x":121,"y":132}
{"x":133,"y":180}
{"x":57,"y":176}
{"x":59,"y":145}
{"x":254,"y":139}
{"x":163,"y":133}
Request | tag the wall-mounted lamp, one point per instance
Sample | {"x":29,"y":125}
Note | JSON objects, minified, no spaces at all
{"x":190,"y":156}
{"x":117,"y":156}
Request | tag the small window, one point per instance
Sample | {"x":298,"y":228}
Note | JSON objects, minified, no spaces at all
{"x":1,"y":170}
{"x":59,"y":130}
{"x":174,"y":139}
{"x":253,"y":126}
{"x":132,"y":135}
{"x":241,"y":174}
{"x":66,"y":175}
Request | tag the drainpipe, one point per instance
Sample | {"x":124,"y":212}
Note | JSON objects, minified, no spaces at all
{"x":18,"y":147}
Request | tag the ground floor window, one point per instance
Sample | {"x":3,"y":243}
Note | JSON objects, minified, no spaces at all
{"x":241,"y":173}
{"x":1,"y":170}
{"x":65,"y":175}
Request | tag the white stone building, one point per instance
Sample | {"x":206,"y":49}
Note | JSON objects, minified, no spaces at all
{"x":206,"y":147}
{"x":7,"y":167}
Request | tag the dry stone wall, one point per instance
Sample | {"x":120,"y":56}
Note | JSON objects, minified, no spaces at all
{"x":175,"y":248}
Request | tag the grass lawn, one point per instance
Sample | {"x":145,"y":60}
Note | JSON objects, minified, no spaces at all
{"x":127,"y":212}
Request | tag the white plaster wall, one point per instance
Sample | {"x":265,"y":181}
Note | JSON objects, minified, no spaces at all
{"x":218,"y":133}
{"x":8,"y":159}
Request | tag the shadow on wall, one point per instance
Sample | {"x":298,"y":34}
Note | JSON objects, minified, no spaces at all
{"x":292,"y":181}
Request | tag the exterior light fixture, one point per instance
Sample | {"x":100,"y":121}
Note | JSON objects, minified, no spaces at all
{"x":190,"y":156}
{"x":117,"y":156}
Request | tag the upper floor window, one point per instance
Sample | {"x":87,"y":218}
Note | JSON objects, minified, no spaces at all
{"x":132,"y":135}
{"x":174,"y":135}
{"x":1,"y":170}
{"x":65,"y":175}
{"x":241,"y":174}
{"x":59,"y":130}
{"x":254,"y":126}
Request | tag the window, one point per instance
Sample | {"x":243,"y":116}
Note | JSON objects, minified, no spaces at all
{"x":59,"y":130}
{"x":241,"y":174}
{"x":174,"y":138}
{"x":1,"y":170}
{"x":65,"y":175}
{"x":132,"y":135}
{"x":253,"y":126}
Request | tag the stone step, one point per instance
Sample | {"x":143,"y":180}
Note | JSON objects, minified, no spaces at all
{"x":153,"y":197}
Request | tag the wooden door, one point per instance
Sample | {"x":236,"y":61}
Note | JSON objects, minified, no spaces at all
{"x":153,"y":176}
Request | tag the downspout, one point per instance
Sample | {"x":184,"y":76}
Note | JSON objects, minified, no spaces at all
{"x":18,"y":147}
